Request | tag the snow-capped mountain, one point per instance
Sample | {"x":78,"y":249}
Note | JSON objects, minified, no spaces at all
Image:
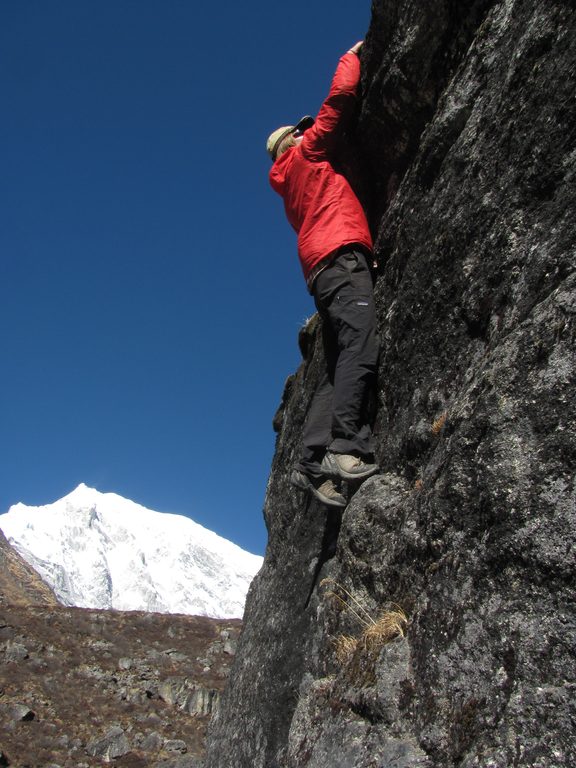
{"x":99,"y":550}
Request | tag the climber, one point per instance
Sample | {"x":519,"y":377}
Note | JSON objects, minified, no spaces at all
{"x":335,"y":250}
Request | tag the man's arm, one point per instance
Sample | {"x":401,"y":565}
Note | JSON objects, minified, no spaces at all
{"x":336,"y":109}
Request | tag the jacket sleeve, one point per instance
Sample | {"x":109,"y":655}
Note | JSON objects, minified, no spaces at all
{"x":335,"y":112}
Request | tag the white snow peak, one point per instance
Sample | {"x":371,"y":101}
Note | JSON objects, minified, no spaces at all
{"x":99,"y":550}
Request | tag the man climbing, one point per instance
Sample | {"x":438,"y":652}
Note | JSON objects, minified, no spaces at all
{"x":334,"y":245}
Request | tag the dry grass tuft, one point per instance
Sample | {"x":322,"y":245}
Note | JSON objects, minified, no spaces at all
{"x":349,"y":602}
{"x":345,"y":647}
{"x":375,"y":634}
{"x":390,"y":625}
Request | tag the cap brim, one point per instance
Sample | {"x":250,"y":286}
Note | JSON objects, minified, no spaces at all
{"x":303,"y":124}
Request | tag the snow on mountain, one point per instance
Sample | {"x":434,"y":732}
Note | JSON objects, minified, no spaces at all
{"x":99,"y":550}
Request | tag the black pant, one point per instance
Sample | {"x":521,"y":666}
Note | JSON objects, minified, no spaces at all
{"x":338,"y":416}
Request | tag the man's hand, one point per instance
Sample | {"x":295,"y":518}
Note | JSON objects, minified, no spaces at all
{"x":356,"y":48}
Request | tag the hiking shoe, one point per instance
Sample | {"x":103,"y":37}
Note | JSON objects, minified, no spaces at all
{"x":347,"y":467}
{"x":321,"y":487}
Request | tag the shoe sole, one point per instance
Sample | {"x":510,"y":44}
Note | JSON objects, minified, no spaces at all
{"x":325,"y":499}
{"x":306,"y":485}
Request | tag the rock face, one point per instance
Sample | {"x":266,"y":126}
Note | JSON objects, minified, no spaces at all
{"x":468,"y":143}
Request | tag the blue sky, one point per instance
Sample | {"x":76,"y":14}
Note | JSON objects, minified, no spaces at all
{"x":150,"y":291}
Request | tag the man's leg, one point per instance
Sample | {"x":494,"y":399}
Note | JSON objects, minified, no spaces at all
{"x":344,"y":297}
{"x":317,"y":433}
{"x":308,"y":474}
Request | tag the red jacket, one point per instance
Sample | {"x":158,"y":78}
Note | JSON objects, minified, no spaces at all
{"x":320,"y":203}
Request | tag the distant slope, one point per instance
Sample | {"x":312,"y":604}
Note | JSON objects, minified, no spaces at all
{"x":19,"y":583}
{"x":84,"y":688}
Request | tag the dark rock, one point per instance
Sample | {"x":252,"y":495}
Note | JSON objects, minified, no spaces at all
{"x":230,"y":642}
{"x":110,"y":746}
{"x":175,"y":745}
{"x":16,"y":652}
{"x":152,"y":742}
{"x":186,"y":695}
{"x":21,"y":712}
{"x":467,"y":141}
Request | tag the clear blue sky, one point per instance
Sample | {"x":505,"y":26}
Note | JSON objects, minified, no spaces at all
{"x":150,"y":291}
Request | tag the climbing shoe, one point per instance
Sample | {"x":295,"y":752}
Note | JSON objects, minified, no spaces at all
{"x":347,"y":467}
{"x":322,"y":488}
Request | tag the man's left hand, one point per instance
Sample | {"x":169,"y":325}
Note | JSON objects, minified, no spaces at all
{"x":356,"y":48}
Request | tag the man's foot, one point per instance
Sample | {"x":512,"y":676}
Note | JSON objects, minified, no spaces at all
{"x":321,"y":487}
{"x":347,"y":467}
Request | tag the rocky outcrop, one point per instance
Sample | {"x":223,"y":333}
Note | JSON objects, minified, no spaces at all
{"x":434,"y":624}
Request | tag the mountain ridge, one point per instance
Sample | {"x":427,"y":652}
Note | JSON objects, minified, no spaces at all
{"x":100,"y":550}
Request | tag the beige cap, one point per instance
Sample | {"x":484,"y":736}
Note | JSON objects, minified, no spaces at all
{"x":275,"y":138}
